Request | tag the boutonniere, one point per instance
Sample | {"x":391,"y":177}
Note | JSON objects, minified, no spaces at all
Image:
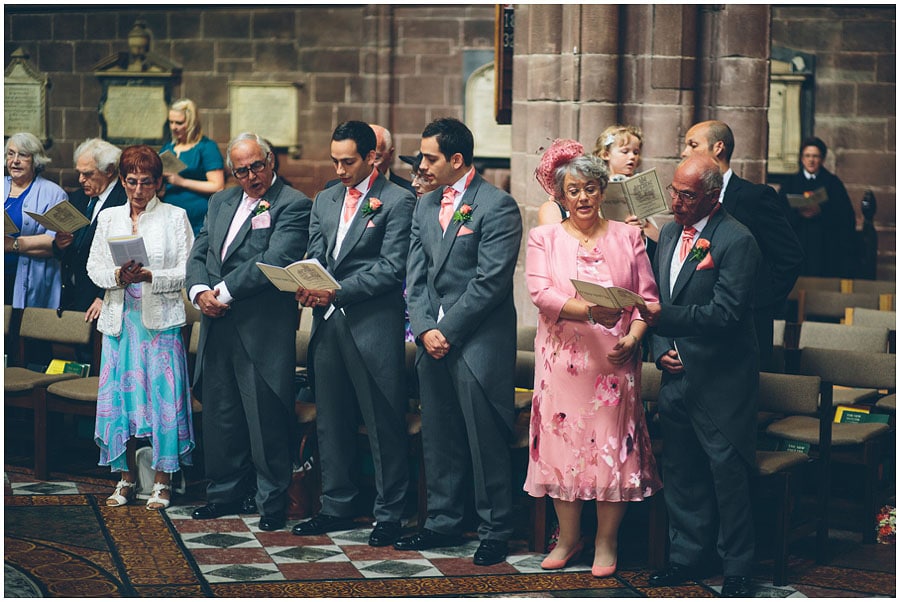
{"x":463,"y":214}
{"x":700,"y":250}
{"x":371,"y":206}
{"x":262,"y":207}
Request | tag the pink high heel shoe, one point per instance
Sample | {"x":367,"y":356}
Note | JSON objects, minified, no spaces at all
{"x":555,"y":565}
{"x":603,"y":571}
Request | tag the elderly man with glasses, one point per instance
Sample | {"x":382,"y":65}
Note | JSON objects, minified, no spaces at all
{"x":245,"y":360}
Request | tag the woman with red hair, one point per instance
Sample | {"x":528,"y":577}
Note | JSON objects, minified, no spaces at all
{"x":144,"y":387}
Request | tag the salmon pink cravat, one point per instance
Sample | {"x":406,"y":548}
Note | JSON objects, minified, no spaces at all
{"x":350,"y":203}
{"x":687,"y":241}
{"x":447,"y":202}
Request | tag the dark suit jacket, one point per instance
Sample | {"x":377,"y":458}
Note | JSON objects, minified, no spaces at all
{"x":402,"y":182}
{"x":469,"y":272}
{"x":79,"y":291}
{"x":266,"y":318}
{"x":765,"y":214}
{"x":708,"y":317}
{"x":828,"y":239}
{"x":370,"y":269}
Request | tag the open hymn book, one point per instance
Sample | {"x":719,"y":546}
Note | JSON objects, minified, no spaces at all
{"x":641,"y":195}
{"x":306,"y":273}
{"x":607,"y":296}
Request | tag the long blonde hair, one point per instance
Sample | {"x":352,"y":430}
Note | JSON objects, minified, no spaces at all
{"x":187,"y":106}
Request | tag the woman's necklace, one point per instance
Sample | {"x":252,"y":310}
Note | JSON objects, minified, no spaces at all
{"x":584,"y":238}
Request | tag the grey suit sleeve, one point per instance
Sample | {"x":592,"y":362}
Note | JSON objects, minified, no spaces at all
{"x":196,"y":272}
{"x":498,"y":251}
{"x":316,"y":247}
{"x":732,"y":296}
{"x":418,"y":299}
{"x":390,"y":269}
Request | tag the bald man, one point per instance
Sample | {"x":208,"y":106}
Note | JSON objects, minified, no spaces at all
{"x":384,"y":157}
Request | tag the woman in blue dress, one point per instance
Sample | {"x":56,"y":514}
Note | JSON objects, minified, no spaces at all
{"x":204,"y":175}
{"x":144,"y":387}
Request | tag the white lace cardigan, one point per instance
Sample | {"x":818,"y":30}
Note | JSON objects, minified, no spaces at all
{"x":168,"y":238}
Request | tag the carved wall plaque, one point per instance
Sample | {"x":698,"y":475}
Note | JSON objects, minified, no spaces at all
{"x":24,"y":98}
{"x":269,"y":109}
{"x":492,"y":140}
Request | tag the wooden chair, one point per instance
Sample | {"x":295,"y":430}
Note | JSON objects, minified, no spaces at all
{"x":861,"y":316}
{"x":657,"y":522}
{"x":863,"y":446}
{"x":525,"y":338}
{"x":23,"y":388}
{"x":825,"y":335}
{"x":841,"y":337}
{"x":878,"y":287}
{"x":829,"y":306}
{"x":778,"y":473}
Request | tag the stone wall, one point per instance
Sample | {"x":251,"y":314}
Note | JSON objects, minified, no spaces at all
{"x":855,"y":100}
{"x":399,"y":66}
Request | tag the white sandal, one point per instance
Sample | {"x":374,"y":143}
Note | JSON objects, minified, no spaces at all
{"x":117,"y":498}
{"x":155,"y":499}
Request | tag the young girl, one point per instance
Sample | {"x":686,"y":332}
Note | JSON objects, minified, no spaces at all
{"x":620,"y":148}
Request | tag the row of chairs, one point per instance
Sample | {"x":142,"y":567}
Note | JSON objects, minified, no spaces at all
{"x":826,"y":299}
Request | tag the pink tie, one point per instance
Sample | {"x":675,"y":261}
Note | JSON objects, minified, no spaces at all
{"x":240,"y":216}
{"x":350,"y":203}
{"x":687,"y":241}
{"x":447,"y":202}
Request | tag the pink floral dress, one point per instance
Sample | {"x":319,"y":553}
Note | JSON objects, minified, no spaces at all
{"x":588,"y":433}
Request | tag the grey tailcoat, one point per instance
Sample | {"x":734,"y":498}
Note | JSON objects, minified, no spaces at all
{"x":708,"y":316}
{"x":265,"y":318}
{"x":360,"y":347}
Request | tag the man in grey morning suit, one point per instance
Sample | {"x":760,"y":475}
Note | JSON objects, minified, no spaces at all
{"x":246,"y":358}
{"x":360,"y":232}
{"x":705,"y":343}
{"x":462,"y":256}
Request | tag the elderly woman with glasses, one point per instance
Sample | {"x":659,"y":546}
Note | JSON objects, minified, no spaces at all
{"x":588,"y":433}
{"x":144,"y":386}
{"x":32,"y":277}
{"x":204,"y":172}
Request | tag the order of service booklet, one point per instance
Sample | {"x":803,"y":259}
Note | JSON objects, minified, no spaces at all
{"x":171,"y":162}
{"x":9,"y":226}
{"x":641,"y":195}
{"x":126,"y":248}
{"x":608,"y":296}
{"x":62,"y":217}
{"x":306,"y":273}
{"x":806,"y":199}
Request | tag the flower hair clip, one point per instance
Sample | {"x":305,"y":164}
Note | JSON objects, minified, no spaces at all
{"x":610,"y":138}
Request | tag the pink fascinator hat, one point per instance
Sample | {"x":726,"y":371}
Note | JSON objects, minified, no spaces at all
{"x":560,"y":152}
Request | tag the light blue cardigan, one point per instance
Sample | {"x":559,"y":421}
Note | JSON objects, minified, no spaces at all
{"x":37,"y":278}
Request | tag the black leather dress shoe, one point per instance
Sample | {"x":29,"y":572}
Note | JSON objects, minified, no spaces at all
{"x":216,"y":510}
{"x":674,"y":574}
{"x":491,"y":551}
{"x":271,"y":523}
{"x":385,"y":533}
{"x":248,"y":505}
{"x":321,"y":524}
{"x":737,"y":587}
{"x":425,"y":540}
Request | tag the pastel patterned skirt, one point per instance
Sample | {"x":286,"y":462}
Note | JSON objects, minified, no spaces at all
{"x":144,"y":393}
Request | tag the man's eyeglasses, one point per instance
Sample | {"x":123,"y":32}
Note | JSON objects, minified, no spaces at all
{"x":685,"y":196}
{"x":257,"y":166}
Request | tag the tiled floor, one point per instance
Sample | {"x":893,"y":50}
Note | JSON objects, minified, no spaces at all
{"x":232,"y":550}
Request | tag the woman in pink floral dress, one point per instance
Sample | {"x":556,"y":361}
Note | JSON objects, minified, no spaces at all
{"x":589,"y":437}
